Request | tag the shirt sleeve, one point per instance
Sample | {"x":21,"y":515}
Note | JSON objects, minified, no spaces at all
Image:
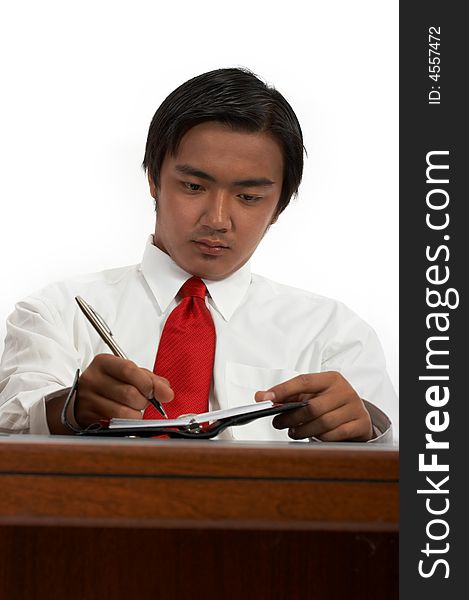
{"x":39,"y":359}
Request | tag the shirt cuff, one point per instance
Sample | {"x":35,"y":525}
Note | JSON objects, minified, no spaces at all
{"x":382,"y":426}
{"x":38,"y":418}
{"x":37,"y":413}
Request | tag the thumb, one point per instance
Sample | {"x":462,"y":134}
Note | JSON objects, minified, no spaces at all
{"x":262,"y":396}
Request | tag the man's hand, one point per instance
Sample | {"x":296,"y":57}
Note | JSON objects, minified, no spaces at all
{"x":115,"y":387}
{"x":334,"y":413}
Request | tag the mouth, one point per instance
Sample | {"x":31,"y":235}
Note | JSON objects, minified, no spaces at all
{"x":208,"y":246}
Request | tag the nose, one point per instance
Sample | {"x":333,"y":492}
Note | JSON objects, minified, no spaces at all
{"x":217,"y":211}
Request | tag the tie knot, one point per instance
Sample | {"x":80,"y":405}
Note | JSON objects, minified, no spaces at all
{"x":193,"y":287}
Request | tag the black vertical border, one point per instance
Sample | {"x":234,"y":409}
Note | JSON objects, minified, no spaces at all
{"x":424,"y":128}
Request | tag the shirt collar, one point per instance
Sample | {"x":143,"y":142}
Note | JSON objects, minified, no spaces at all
{"x":165,"y":279}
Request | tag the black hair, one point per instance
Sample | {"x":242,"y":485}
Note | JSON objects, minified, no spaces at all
{"x":235,"y":97}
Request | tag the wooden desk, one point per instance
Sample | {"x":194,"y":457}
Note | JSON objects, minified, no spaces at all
{"x":215,"y":519}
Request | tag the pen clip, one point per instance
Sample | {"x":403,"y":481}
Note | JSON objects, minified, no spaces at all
{"x":100,"y":326}
{"x":96,"y":315}
{"x":101,"y":320}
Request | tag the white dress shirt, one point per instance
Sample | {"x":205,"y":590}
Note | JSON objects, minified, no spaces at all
{"x":266,"y":333}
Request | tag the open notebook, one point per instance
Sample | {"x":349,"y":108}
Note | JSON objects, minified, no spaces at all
{"x":201,"y":426}
{"x":187,"y":420}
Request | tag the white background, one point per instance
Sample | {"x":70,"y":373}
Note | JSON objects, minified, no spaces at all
{"x":81,"y":81}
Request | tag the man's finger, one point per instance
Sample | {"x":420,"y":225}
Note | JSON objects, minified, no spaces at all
{"x":103,"y":408}
{"x":317,"y":407}
{"x":155,"y":375}
{"x":356,"y":430}
{"x":301,"y":384}
{"x":128,"y":372}
{"x":161,"y":387}
{"x":305,"y":427}
{"x":118,"y":391}
{"x":161,"y":390}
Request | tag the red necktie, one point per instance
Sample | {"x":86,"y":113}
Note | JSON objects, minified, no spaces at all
{"x":186,"y":352}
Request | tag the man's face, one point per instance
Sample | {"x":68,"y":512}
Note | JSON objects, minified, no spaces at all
{"x":216,"y":198}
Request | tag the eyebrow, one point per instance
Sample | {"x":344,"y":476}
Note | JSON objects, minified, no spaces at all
{"x":251,"y":182}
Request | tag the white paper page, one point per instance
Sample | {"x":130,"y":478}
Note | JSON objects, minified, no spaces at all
{"x":214,"y":415}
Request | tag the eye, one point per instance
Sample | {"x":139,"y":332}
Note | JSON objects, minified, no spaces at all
{"x":192,"y":187}
{"x":249,"y":198}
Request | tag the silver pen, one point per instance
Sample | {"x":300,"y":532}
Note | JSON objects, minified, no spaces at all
{"x":105,"y":334}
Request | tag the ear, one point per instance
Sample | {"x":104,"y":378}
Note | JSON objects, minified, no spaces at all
{"x":153,"y":188}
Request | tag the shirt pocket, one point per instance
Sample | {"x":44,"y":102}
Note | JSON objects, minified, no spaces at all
{"x":241,"y":383}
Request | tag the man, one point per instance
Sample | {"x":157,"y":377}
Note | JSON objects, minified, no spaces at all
{"x":224,"y":156}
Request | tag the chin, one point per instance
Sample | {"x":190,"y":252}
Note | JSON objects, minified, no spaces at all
{"x":212,"y":275}
{"x":210,"y":270}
